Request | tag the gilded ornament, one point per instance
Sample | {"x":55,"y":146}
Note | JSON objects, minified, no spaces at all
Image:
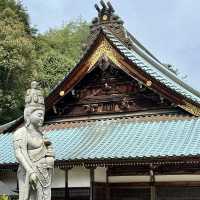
{"x":104,"y":49}
{"x":190,"y":108}
{"x":148,"y":83}
{"x":62,"y":93}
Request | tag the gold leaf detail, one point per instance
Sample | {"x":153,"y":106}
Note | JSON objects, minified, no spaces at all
{"x":195,"y":110}
{"x":104,"y":49}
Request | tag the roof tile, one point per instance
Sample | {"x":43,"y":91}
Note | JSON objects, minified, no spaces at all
{"x":124,"y":138}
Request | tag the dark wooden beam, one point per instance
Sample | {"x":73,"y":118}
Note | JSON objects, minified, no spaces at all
{"x":157,"y":184}
{"x":92,"y":183}
{"x":66,"y":185}
{"x":107,"y":186}
{"x":152,"y":182}
{"x":178,"y":184}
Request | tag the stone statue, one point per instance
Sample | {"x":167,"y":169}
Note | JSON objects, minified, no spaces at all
{"x":33,"y":151}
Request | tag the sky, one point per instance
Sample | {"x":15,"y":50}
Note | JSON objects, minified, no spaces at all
{"x":170,"y":29}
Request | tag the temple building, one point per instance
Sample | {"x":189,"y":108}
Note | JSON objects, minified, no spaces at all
{"x":123,"y":124}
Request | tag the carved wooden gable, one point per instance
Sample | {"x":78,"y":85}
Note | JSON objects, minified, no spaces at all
{"x":117,"y":74}
{"x":108,"y":90}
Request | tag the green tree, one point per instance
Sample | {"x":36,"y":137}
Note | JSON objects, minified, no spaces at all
{"x":18,"y":9}
{"x":26,"y":56}
{"x":59,"y":50}
{"x":17,"y":57}
{"x":4,"y":197}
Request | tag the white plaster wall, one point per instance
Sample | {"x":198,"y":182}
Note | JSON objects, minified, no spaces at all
{"x":128,"y":179}
{"x":100,"y":174}
{"x":79,"y":177}
{"x":158,"y":178}
{"x":58,"y":180}
{"x":171,"y":178}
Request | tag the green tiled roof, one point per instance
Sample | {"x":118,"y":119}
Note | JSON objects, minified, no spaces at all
{"x":154,"y":68}
{"x":118,"y":139}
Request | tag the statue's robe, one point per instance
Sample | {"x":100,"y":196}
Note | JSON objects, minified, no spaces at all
{"x":32,"y":161}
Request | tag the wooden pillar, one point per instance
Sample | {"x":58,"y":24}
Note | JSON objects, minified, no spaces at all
{"x":107,"y":186}
{"x":153,"y":192}
{"x":92,"y":183}
{"x":66,"y":185}
{"x":152,"y":183}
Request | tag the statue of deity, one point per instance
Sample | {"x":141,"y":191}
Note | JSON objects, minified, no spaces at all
{"x":33,"y":151}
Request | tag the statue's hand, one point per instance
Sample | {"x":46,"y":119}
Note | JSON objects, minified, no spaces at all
{"x":33,"y":180}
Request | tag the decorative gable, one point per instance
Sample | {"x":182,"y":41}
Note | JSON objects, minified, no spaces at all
{"x":141,"y":82}
{"x":106,"y":89}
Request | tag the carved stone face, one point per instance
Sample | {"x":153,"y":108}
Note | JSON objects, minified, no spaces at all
{"x":37,"y":118}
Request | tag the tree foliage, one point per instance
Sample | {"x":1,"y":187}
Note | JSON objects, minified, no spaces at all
{"x":20,"y":12}
{"x":4,"y":197}
{"x":17,"y":57}
{"x":59,"y":50}
{"x":25,"y":56}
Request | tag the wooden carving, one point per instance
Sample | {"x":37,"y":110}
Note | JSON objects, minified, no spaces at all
{"x":107,"y":89}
